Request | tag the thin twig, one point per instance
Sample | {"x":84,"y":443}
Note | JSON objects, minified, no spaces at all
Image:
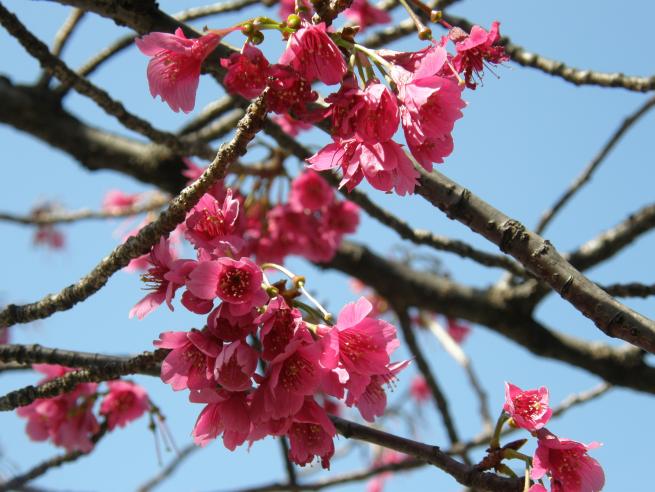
{"x":586,"y":174}
{"x":456,"y":352}
{"x":61,"y":38}
{"x":633,"y":289}
{"x":55,"y":462}
{"x":559,"y":69}
{"x":85,"y":214}
{"x":169,"y":469}
{"x":148,"y":236}
{"x":437,"y":394}
{"x":292,"y":478}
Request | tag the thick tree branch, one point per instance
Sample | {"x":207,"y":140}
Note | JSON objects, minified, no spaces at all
{"x":150,"y":234}
{"x":144,"y":363}
{"x":541,"y":258}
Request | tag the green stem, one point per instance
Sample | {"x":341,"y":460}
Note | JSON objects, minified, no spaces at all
{"x":495,"y":438}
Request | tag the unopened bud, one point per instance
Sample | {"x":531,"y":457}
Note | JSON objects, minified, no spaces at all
{"x":425,"y":33}
{"x":293,"y":21}
{"x":257,"y":37}
{"x":246,"y":29}
{"x":436,"y":16}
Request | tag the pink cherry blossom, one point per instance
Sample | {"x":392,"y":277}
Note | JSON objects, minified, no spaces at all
{"x":476,"y":50}
{"x":115,"y":200}
{"x":288,"y":7}
{"x":363,"y":14}
{"x":4,"y":335}
{"x":125,"y":402}
{"x":567,"y":463}
{"x":235,"y":366}
{"x":386,"y":457}
{"x":279,"y":325}
{"x":164,"y":277}
{"x":311,"y":192}
{"x":344,"y":106}
{"x":385,"y":165}
{"x":214,"y":226}
{"x":230,"y":327}
{"x":311,"y":435}
{"x":67,"y":420}
{"x":378,"y":118}
{"x":49,"y":236}
{"x":225,"y":413}
{"x":341,"y":217}
{"x":174,"y":70}
{"x":529,"y":409}
{"x":537,"y":487}
{"x":290,"y":125}
{"x":419,"y":389}
{"x":457,"y":330}
{"x":312,"y":53}
{"x":290,"y":93}
{"x":292,"y":375}
{"x":247,"y":72}
{"x":190,"y":363}
{"x":238,"y":282}
{"x":373,"y":401}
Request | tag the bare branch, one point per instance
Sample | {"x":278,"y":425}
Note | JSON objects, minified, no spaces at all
{"x":464,"y":474}
{"x":61,"y":38}
{"x":292,"y":479}
{"x":437,"y":394}
{"x":145,"y":363}
{"x":154,"y":203}
{"x":150,"y":234}
{"x":586,"y":174}
{"x":633,"y":289}
{"x":540,"y":257}
{"x":169,"y":469}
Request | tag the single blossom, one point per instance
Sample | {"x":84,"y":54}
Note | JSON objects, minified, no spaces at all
{"x":344,"y":106}
{"x":125,"y":402}
{"x":290,"y":93}
{"x":341,"y":217}
{"x":49,"y":236}
{"x":378,"y":118}
{"x":231,"y":327}
{"x":537,"y":487}
{"x":312,"y":53}
{"x":247,"y":72}
{"x":311,"y":434}
{"x":419,"y":389}
{"x":115,"y":200}
{"x":457,"y":330}
{"x":214,"y":226}
{"x":226,"y":413}
{"x":235,"y":366}
{"x":279,"y":325}
{"x":570,"y":468}
{"x":165,"y":275}
{"x":190,"y":363}
{"x":238,"y":282}
{"x":529,"y":409}
{"x":363,"y":14}
{"x":290,"y":125}
{"x":174,"y":70}
{"x":476,"y":50}
{"x":311,"y":192}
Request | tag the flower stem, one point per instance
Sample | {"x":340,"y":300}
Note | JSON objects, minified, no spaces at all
{"x":495,"y":438}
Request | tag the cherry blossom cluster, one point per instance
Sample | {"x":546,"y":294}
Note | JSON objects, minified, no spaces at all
{"x":69,"y":420}
{"x":420,"y":92}
{"x":301,"y":365}
{"x":564,"y":461}
{"x":226,"y":229}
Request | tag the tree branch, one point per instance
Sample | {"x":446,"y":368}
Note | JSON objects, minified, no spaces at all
{"x":150,"y":234}
{"x":169,"y":469}
{"x":540,"y":257}
{"x":586,"y":174}
{"x":61,"y":38}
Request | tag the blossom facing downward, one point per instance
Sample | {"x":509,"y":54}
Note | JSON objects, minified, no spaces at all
{"x":529,"y":409}
{"x":174,"y":70}
{"x":419,"y":389}
{"x":125,"y":402}
{"x":314,"y":55}
{"x":567,"y":463}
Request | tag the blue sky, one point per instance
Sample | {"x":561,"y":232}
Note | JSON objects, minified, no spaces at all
{"x":523,"y":138}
